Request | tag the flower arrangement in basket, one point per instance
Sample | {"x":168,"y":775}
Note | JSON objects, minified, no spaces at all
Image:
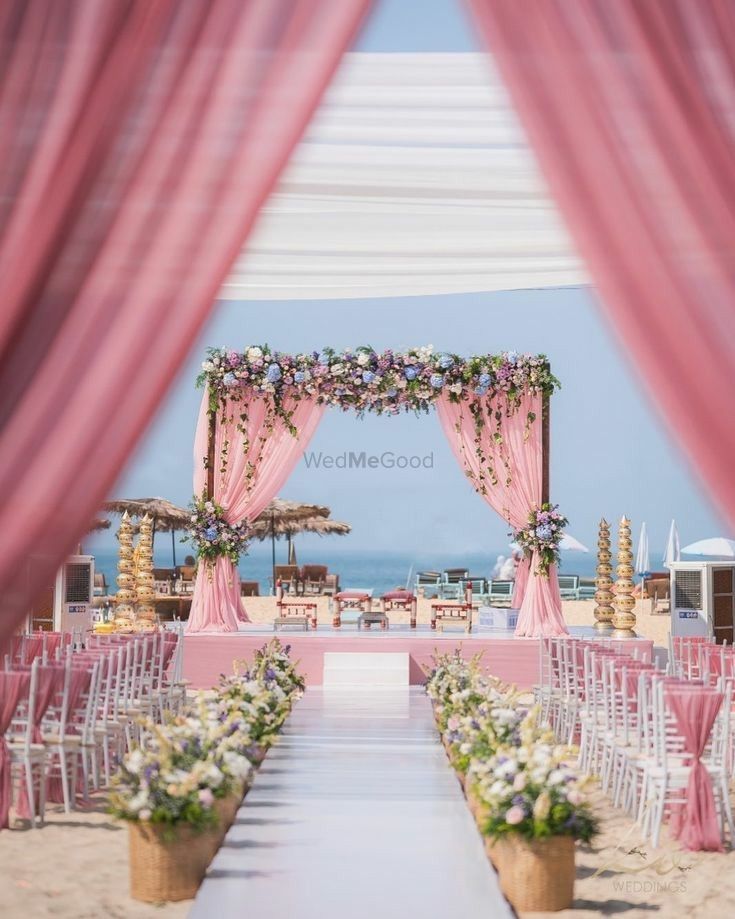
{"x":180,"y":789}
{"x":542,"y":536}
{"x":528,"y":802}
{"x":213,"y":536}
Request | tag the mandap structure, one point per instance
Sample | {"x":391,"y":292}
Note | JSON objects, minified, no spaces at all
{"x":261,"y":408}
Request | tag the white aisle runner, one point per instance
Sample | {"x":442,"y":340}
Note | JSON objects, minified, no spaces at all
{"x":354,"y":815}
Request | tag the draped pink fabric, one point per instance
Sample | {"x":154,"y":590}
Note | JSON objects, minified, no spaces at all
{"x":49,"y":684}
{"x":508,"y":474}
{"x":695,"y":712}
{"x":138,"y":141}
{"x":13,"y":687}
{"x":628,"y":107}
{"x":261,"y":454}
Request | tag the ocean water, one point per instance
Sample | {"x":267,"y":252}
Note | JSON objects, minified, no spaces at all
{"x":380,"y":570}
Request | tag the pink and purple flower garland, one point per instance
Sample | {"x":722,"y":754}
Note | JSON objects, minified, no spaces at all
{"x":365,"y":380}
{"x":542,"y":535}
{"x":213,"y":536}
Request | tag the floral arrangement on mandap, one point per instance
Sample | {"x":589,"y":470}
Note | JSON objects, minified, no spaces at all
{"x":213,"y":536}
{"x":542,"y":536}
{"x":517,"y":778}
{"x":184,"y":767}
{"x":365,"y":380}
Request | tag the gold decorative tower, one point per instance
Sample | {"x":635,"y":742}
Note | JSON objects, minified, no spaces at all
{"x":604,"y":596}
{"x":144,"y":581}
{"x":126,"y":592}
{"x":624,"y":618}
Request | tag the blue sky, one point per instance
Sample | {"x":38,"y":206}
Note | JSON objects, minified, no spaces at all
{"x":610,"y":454}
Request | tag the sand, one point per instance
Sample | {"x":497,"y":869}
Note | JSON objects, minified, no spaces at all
{"x":76,"y":867}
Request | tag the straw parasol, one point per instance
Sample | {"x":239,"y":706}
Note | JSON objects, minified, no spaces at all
{"x":167,"y":517}
{"x":99,"y":523}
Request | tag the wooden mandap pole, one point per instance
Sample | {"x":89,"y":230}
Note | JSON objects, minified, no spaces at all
{"x":545,"y":448}
{"x":211,"y":437}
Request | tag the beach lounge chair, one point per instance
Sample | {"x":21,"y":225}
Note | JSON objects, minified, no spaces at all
{"x":313,"y":579}
{"x":501,"y":592}
{"x":478,"y":585}
{"x":569,"y":586}
{"x":249,"y":589}
{"x":429,"y":582}
{"x":452,"y":583}
{"x":587,"y":589}
{"x":163,"y":580}
{"x":331,"y":584}
{"x":185,"y":581}
{"x":289,"y":576}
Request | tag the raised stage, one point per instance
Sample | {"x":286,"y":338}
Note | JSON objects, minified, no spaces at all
{"x":515,"y":660}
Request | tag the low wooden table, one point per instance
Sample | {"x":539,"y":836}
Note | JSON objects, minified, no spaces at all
{"x":373,"y":617}
{"x":400,"y":600}
{"x":453,"y":612}
{"x":351,"y":600}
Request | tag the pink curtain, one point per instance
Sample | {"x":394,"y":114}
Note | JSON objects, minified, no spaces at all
{"x":628,"y":106}
{"x":138,"y":141}
{"x":508,"y":474}
{"x":261,"y":453}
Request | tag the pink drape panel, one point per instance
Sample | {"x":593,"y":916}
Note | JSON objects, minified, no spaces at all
{"x":138,"y":141}
{"x":517,"y":462}
{"x":629,"y":108}
{"x":13,"y":687}
{"x":695,"y":712}
{"x":259,"y":461}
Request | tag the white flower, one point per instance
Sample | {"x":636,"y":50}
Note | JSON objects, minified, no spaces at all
{"x":138,"y":801}
{"x":134,"y":762}
{"x":238,"y":766}
{"x":207,"y":366}
{"x":363,"y":358}
{"x":556,"y":777}
{"x":254,"y":353}
{"x":337,"y":370}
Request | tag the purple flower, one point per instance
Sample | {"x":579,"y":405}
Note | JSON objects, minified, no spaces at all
{"x":229,"y":379}
{"x":410,"y":373}
{"x":210,"y":533}
{"x":368,"y":376}
{"x":299,"y":376}
{"x":436,"y":380}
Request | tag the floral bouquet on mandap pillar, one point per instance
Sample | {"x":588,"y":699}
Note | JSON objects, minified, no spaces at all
{"x":534,"y":809}
{"x":542,"y":536}
{"x":213,"y":536}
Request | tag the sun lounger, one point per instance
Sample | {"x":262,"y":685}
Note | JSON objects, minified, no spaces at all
{"x":569,"y":586}
{"x":429,"y":582}
{"x":501,"y":592}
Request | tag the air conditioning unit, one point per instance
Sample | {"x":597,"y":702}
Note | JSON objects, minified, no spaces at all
{"x":73,"y":594}
{"x":703,"y":600}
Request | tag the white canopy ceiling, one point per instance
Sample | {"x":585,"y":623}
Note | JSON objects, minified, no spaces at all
{"x":413,"y":178}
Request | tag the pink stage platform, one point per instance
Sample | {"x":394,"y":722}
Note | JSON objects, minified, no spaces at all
{"x":515,"y":660}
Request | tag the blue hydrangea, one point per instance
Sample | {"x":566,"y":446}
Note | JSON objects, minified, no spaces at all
{"x":229,"y":379}
{"x":392,"y":393}
{"x":544,"y":531}
{"x":446,"y":361}
{"x":410,"y":373}
{"x":512,"y":357}
{"x":480,"y":390}
{"x":437,"y":380}
{"x":368,"y":376}
{"x":484,"y":379}
{"x":210,"y":533}
{"x":324,"y":357}
{"x":299,"y":376}
{"x":273,"y":374}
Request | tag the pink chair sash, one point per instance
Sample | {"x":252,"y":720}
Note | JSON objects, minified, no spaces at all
{"x":695,"y":713}
{"x":49,"y":683}
{"x":13,"y":687}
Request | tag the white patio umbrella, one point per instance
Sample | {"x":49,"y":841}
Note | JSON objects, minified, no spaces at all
{"x":642,"y":559}
{"x":673,"y":549}
{"x":715,"y":547}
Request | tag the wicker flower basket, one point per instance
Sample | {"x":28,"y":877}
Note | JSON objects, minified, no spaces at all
{"x":536,"y":875}
{"x":162,"y":869}
{"x":227,"y":808}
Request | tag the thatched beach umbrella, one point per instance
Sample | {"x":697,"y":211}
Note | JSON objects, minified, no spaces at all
{"x":288,"y":526}
{"x":167,"y":517}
